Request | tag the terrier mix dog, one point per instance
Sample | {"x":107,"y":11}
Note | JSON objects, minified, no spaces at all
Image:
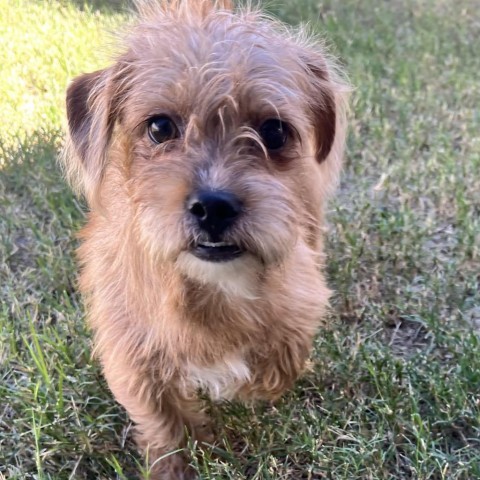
{"x":206,"y":153}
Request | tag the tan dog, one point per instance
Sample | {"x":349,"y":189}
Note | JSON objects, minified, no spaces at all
{"x":206,"y":153}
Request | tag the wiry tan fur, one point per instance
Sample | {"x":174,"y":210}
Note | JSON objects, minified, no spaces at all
{"x":167,"y":324}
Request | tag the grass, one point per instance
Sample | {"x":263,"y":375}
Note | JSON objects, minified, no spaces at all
{"x":395,"y":391}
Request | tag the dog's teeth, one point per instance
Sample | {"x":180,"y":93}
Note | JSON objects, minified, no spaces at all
{"x":217,"y":244}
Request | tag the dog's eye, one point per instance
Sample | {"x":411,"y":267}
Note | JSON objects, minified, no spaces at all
{"x":274,"y":133}
{"x":161,"y":129}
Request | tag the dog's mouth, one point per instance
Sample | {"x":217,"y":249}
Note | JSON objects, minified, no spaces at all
{"x":216,"y":251}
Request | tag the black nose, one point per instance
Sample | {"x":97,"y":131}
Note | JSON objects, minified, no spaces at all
{"x":215,"y":210}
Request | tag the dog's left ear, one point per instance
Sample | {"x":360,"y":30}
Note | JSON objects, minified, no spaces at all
{"x":323,"y":103}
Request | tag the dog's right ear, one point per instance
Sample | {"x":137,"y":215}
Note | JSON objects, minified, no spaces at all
{"x":91,"y":114}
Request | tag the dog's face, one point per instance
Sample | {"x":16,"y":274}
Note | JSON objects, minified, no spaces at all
{"x":222,"y":129}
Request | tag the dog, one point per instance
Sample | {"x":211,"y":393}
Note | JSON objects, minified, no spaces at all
{"x":206,"y":152}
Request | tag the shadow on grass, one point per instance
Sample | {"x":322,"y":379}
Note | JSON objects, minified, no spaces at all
{"x":29,"y":162}
{"x":102,"y":5}
{"x":39,"y":216}
{"x":56,"y":399}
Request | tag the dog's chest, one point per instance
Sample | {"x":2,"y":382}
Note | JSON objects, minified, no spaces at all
{"x":220,"y":380}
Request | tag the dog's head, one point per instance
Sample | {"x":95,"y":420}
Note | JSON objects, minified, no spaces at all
{"x":224,"y":130}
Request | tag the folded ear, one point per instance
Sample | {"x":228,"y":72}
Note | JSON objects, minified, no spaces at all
{"x":327,"y":104}
{"x":91,"y":114}
{"x":324,"y":112}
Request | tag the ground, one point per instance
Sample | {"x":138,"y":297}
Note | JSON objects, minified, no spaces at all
{"x":394,"y":391}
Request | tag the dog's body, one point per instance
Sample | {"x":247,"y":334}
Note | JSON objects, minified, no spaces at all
{"x":206,"y":153}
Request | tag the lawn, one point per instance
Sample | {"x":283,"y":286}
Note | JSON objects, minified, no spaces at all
{"x":395,"y":387}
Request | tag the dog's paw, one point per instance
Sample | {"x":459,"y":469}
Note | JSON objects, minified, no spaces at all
{"x":173,"y":467}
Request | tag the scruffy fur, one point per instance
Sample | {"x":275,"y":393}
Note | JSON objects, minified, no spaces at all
{"x":167,"y":324}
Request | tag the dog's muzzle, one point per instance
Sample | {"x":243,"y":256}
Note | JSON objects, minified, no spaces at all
{"x":215,"y":211}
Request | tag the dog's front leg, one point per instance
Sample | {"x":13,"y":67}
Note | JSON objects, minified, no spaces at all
{"x":276,"y":370}
{"x":164,"y":418}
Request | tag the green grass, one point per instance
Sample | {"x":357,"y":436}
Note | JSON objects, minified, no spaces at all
{"x":395,"y":391}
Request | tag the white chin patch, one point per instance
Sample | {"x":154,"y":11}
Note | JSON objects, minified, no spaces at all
{"x":236,"y":278}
